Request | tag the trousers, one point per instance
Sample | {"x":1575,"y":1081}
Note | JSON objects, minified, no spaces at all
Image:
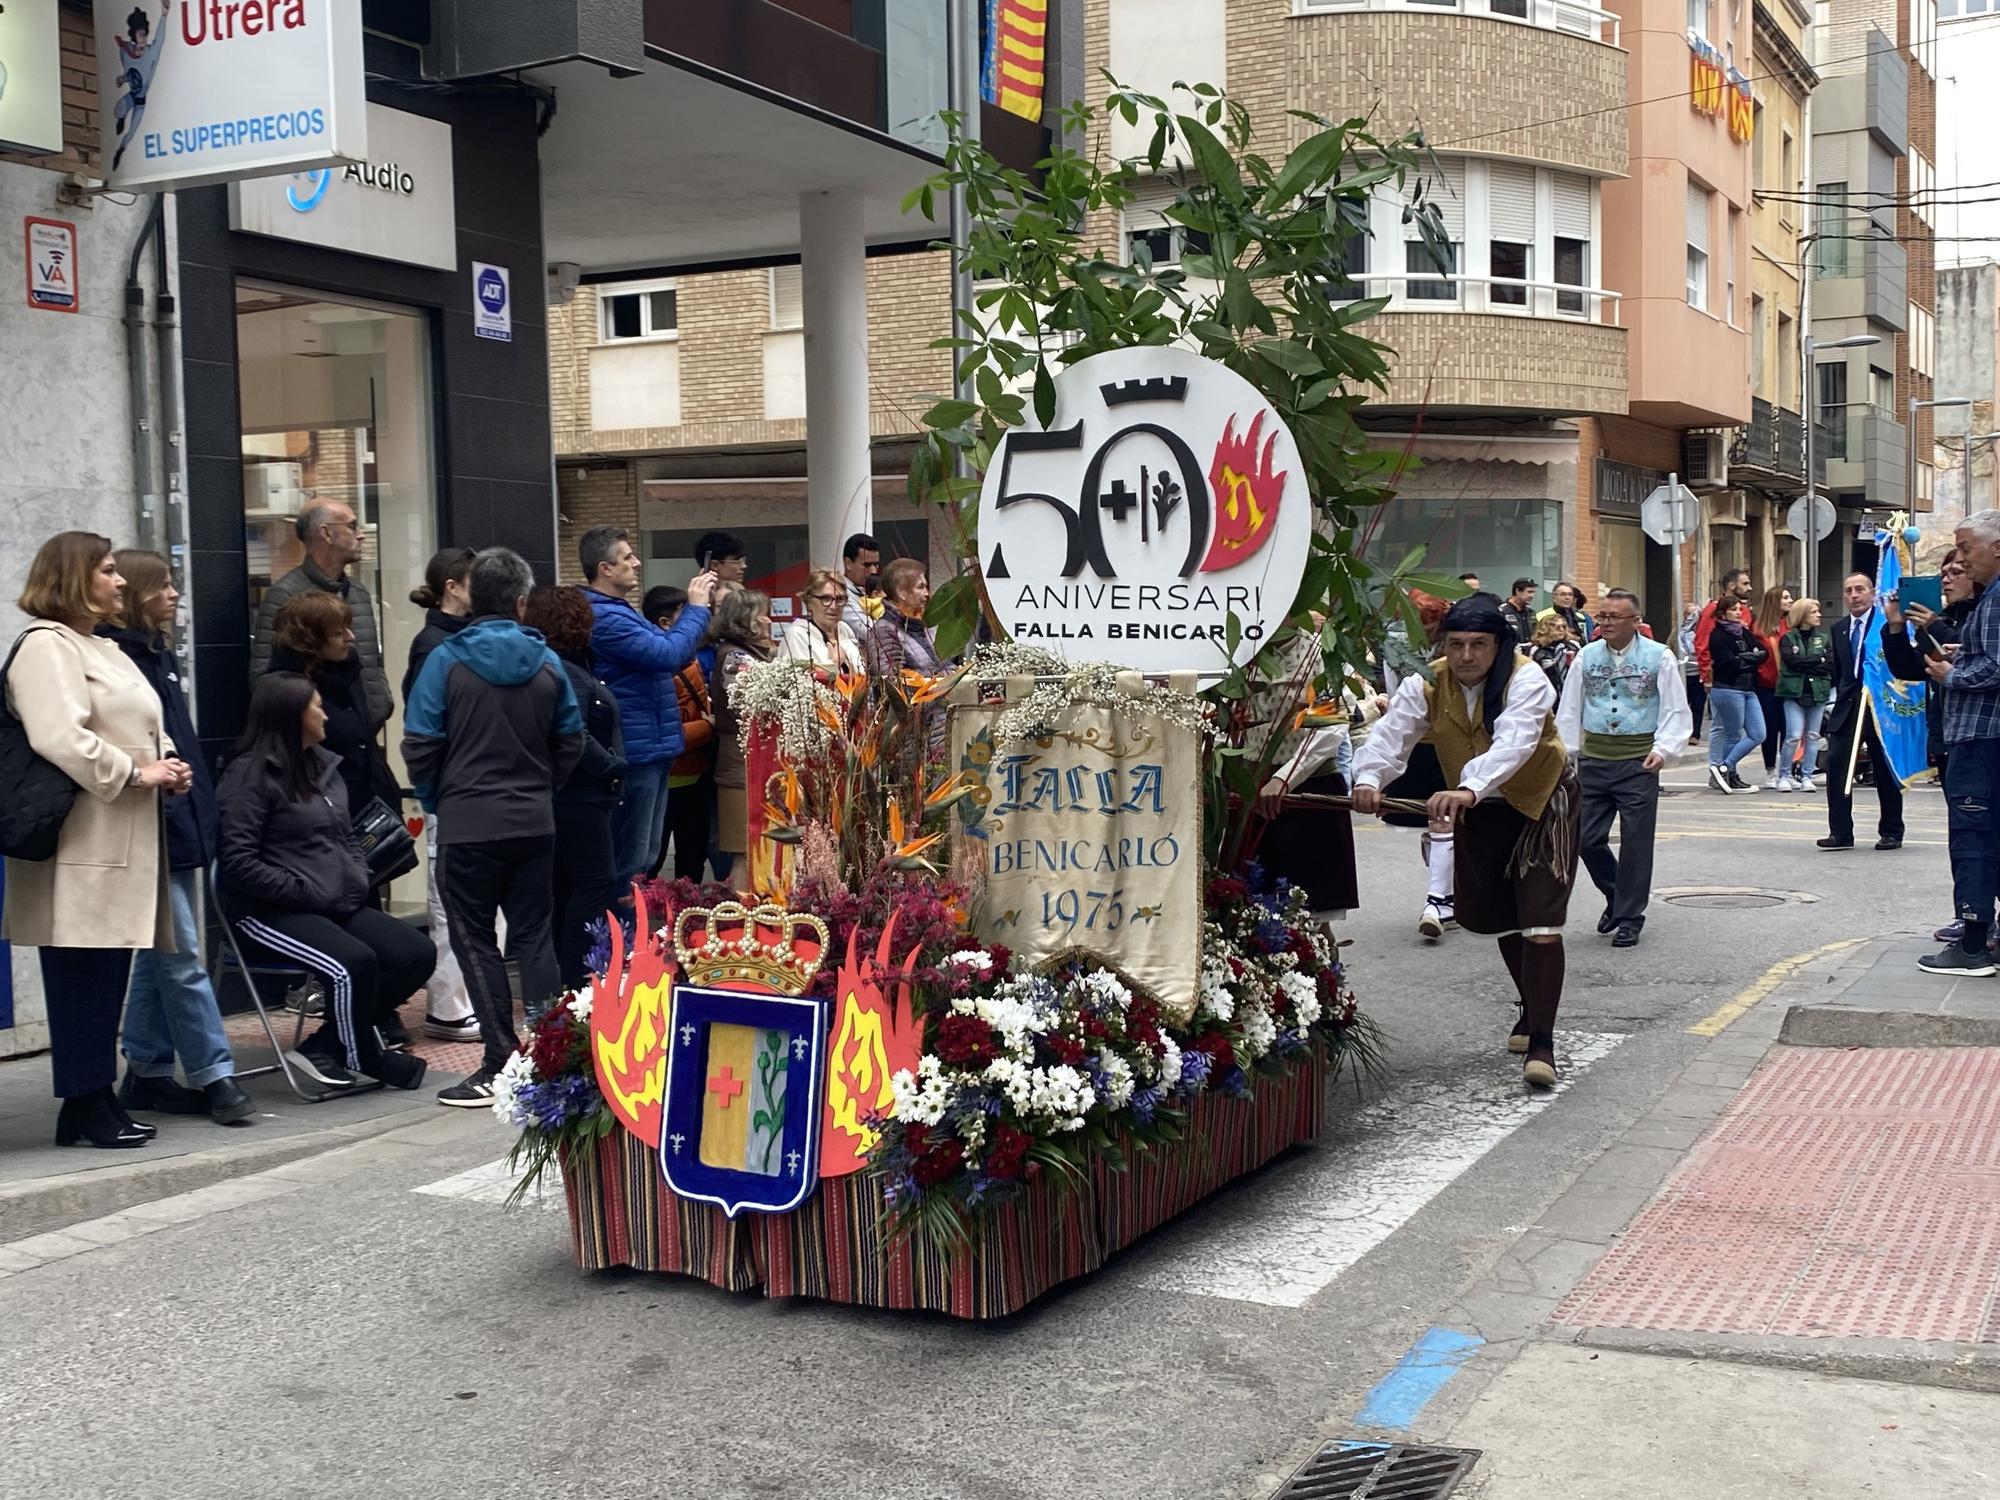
{"x":1972,"y":780}
{"x":1738,"y":728}
{"x":481,"y":881}
{"x":1627,"y":791}
{"x":171,"y":1008}
{"x":86,"y":991}
{"x":371,"y":963}
{"x":641,"y":823}
{"x":584,"y":885}
{"x":1840,"y":752}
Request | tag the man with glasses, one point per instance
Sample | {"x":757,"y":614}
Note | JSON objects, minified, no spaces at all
{"x":332,"y":538}
{"x":1624,"y":715}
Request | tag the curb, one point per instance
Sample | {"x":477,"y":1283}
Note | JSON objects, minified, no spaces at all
{"x":1947,"y":1365}
{"x":1854,"y":1026}
{"x":47,"y":1203}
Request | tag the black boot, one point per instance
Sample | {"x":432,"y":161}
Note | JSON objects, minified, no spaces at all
{"x":124,"y":1117}
{"x":1542,"y":967}
{"x":93,"y":1118}
{"x":163,"y":1096}
{"x":401,"y":1070}
{"x":226,"y":1102}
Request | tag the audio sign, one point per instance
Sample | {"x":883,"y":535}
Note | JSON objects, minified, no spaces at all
{"x":1167,"y":496}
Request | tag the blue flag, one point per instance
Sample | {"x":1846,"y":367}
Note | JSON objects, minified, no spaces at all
{"x":1898,"y":706}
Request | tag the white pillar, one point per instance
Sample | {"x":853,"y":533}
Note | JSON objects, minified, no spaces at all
{"x":834,"y":281}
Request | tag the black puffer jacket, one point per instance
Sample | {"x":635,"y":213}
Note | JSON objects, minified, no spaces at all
{"x":191,"y":834}
{"x":282,"y":855}
{"x":599,"y":777}
{"x":350,"y":731}
{"x":1734,"y":653}
{"x":439,"y":627}
{"x":1905,"y":659}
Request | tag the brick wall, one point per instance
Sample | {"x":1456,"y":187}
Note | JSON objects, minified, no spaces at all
{"x":598,"y":494}
{"x":1493,"y":359}
{"x":79,"y":96}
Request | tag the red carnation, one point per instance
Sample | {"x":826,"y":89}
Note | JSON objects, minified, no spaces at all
{"x":938,"y":1163}
{"x":1227,"y":890}
{"x":1009,"y":1152}
{"x":1064,"y":1050}
{"x":1221,"y":1052}
{"x":1095,"y":1027}
{"x":966,"y":1039}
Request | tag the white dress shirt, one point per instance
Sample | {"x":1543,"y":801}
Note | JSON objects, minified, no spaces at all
{"x":803,"y":641}
{"x":1676,"y":725}
{"x":1530,"y":696}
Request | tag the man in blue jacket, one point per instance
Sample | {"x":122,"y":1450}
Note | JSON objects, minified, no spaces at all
{"x":637,"y":660}
{"x":491,"y":730}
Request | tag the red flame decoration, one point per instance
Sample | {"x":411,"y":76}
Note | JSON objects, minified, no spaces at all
{"x":1246,"y":490}
{"x":628,"y":1028}
{"x":868,"y":1043}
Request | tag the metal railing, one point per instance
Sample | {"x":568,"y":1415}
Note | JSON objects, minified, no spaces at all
{"x":1540,"y":299}
{"x":1572,"y":16}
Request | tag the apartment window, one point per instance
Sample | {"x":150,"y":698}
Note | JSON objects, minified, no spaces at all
{"x":1518,"y":9}
{"x":1571,"y":198}
{"x":1729,"y":269}
{"x":1881,"y":389}
{"x":1417,"y":257}
{"x":1698,"y":213}
{"x":1698,"y":17}
{"x":1830,"y":225}
{"x":1352,"y":285}
{"x":1788,"y":356}
{"x":1923,"y":186}
{"x":1759,"y":150}
{"x":1833,"y":407}
{"x":1510,"y":190}
{"x":1926,"y":478}
{"x":1149,"y":231}
{"x":642,"y":312}
{"x":1788,"y":181}
{"x":1923,"y":341}
{"x":1447,"y":191}
{"x":1758,"y":329}
{"x":788,"y":303}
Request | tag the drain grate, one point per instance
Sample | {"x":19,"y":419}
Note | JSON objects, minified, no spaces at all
{"x":1746,"y":901}
{"x":1349,"y":1470}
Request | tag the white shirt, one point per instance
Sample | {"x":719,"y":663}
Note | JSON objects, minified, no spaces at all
{"x":1676,"y":725}
{"x":803,"y":642}
{"x":1530,"y":696}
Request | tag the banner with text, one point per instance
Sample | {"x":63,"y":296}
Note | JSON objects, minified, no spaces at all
{"x":1087,"y":843}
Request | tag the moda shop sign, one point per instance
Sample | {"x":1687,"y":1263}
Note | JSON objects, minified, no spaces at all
{"x":204,"y":91}
{"x":400,"y":204}
{"x":1166,"y":498}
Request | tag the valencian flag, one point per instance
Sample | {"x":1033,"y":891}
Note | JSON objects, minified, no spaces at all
{"x":1898,"y":707}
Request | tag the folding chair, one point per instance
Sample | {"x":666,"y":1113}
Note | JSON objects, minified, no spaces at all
{"x":230,"y":959}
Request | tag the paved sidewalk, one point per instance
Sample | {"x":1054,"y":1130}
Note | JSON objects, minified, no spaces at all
{"x":1879,"y":997}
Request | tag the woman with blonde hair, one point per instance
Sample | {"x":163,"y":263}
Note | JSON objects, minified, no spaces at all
{"x":1769,"y":624}
{"x":171,"y":1009}
{"x":822,"y":638}
{"x":1805,"y":683}
{"x":1554,"y":648}
{"x":741,"y":630}
{"x":102,"y":896}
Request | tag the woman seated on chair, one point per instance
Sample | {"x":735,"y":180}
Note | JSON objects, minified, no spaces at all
{"x":296,"y":884}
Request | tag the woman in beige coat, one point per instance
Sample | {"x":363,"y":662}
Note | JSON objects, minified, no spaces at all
{"x":90,"y":713}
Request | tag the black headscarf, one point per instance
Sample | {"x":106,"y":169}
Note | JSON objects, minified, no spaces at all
{"x":1480,"y":614}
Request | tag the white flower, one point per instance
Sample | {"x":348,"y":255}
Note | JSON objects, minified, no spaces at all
{"x":515,"y":1075}
{"x":1014,"y":1019}
{"x":971,"y":958}
{"x":972,"y":1130}
{"x":579,"y":1004}
{"x":1303,"y":995}
{"x":1170,"y":1061}
{"x":1061,"y":1094}
{"x":1117,"y":1079}
{"x":1102,"y":988}
{"x":1216,"y":999}
{"x":922,"y":1097}
{"x":1260,"y":1032}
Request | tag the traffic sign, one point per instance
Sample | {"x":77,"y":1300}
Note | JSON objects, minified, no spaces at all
{"x":1822,"y":518}
{"x":1670,"y":514}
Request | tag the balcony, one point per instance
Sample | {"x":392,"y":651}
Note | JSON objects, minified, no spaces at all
{"x":1478,"y":361}
{"x":1771,"y":449}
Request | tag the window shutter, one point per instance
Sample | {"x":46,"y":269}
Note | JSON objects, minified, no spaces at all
{"x":1445,"y":188}
{"x":788,"y":308}
{"x":1511,"y":192}
{"x":1572,"y":205}
{"x":1148,"y":208}
{"x":1697,"y":217}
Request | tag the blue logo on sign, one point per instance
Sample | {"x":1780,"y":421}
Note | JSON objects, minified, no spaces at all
{"x":315,"y":185}
{"x":492,"y":290}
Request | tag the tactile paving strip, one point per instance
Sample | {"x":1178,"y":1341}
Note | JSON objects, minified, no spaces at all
{"x":1844,"y":1194}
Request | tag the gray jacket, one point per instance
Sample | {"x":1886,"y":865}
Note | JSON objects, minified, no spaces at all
{"x":367,"y":632}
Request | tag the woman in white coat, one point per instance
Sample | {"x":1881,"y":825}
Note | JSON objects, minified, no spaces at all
{"x":92,"y":714}
{"x":822,"y":638}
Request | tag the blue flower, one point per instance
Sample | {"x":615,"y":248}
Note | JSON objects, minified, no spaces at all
{"x":1194,"y":1072}
{"x":1144,"y":1102}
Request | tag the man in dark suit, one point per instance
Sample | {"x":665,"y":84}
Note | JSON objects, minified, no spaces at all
{"x":1852,"y":716}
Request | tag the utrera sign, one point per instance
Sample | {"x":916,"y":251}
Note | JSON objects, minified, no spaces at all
{"x":201,"y":91}
{"x":1166,"y":496}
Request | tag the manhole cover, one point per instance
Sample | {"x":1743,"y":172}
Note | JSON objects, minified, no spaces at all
{"x":1726,"y":903}
{"x":1349,"y":1470}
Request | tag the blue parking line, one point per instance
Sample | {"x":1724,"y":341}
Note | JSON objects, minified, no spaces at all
{"x":1418,"y":1376}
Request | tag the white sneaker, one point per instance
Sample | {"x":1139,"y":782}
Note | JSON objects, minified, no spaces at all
{"x":1775,"y":783}
{"x":1436,"y":921}
{"x":1782,"y":784}
{"x":1807,"y":784}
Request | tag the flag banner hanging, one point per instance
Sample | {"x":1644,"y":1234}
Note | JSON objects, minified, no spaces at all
{"x":1898,"y":707}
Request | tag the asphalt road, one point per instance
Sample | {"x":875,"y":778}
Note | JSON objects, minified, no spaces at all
{"x":350,"y":1335}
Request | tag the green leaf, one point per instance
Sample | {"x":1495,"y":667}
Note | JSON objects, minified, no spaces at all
{"x":1291,"y":356}
{"x":1309,"y":165}
{"x":954,"y":613}
{"x":1211,"y":157}
{"x":949,"y":414}
{"x":1045,"y":396}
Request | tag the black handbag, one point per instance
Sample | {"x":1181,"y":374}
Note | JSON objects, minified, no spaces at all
{"x":386,"y":844}
{"x":39,"y":795}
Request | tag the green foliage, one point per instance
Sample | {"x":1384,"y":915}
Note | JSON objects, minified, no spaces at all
{"x":1254,"y":299}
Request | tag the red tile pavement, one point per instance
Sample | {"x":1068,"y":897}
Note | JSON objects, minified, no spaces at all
{"x":1844,"y":1194}
{"x":448,"y":1060}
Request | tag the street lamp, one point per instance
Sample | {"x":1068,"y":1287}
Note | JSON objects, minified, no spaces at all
{"x":1910,"y":444}
{"x":1809,"y":402}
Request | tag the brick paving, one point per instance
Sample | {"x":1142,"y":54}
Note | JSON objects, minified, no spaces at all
{"x":1845,"y":1194}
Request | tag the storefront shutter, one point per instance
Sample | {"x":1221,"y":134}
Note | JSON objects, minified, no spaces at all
{"x":1697,"y":216}
{"x":787,"y":298}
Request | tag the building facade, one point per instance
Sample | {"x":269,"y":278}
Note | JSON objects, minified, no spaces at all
{"x":1968,"y":355}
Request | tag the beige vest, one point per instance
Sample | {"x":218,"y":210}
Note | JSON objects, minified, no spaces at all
{"x":1459,"y":737}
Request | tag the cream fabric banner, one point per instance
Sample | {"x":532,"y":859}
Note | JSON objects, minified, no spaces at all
{"x":1086,"y":844}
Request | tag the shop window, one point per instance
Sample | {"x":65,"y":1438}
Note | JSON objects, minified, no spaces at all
{"x":1503,"y":539}
{"x":649,"y":312}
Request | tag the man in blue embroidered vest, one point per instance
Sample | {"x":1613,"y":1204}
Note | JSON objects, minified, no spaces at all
{"x":1624,"y":713}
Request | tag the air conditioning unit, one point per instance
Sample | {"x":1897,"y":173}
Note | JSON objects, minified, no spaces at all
{"x":1705,"y":460}
{"x":272,"y":490}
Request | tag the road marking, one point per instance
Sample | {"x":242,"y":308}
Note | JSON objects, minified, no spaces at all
{"x":1738,"y":833}
{"x":1285,"y":1237}
{"x":491,"y":1183}
{"x":1419,"y":1375}
{"x":1769,"y":980}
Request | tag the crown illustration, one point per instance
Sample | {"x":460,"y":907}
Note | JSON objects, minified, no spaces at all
{"x":731,"y":942}
{"x":1128,"y":391}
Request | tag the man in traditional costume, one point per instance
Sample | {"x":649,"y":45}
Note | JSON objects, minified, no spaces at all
{"x":1511,"y":795}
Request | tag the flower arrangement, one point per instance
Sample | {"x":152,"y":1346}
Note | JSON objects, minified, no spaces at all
{"x":1062,"y":686}
{"x":548,"y":1092}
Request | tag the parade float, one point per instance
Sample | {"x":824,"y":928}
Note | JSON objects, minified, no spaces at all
{"x":1011,"y":989}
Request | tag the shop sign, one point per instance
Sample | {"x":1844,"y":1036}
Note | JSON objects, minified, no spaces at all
{"x":51,"y":246}
{"x":30,"y":77}
{"x":399,"y":205}
{"x":1622,"y":488}
{"x":492,"y":305}
{"x":202,"y":91}
{"x":1165,"y":500}
{"x":1715,"y":88}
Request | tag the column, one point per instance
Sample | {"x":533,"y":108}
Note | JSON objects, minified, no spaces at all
{"x":834,"y":282}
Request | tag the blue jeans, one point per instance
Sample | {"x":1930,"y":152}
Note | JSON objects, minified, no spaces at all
{"x":640,"y":826}
{"x":1801,"y":724}
{"x":170,"y":1009}
{"x":1972,"y":780}
{"x":1738,"y":726}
